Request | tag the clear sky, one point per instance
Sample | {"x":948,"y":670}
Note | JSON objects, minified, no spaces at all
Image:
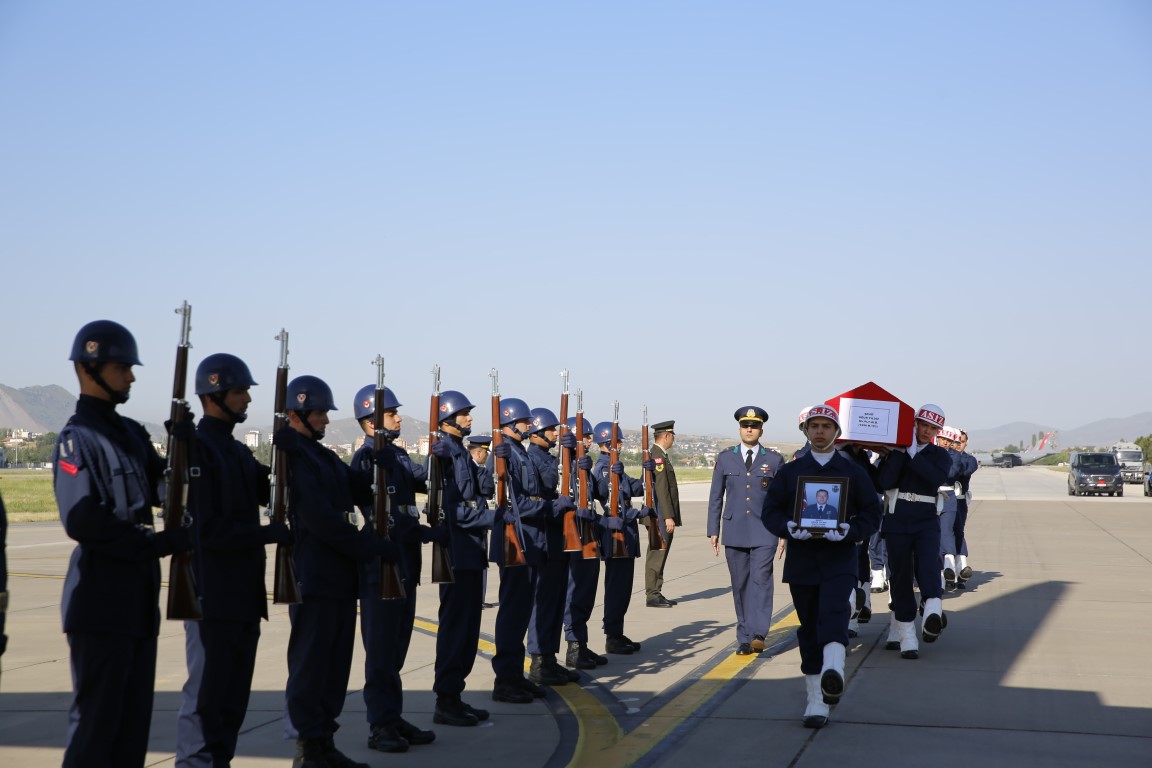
{"x":690,"y":205}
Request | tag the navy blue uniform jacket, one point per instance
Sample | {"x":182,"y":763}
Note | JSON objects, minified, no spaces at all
{"x":922,"y":474}
{"x":405,"y":478}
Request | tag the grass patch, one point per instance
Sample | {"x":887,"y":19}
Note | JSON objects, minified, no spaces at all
{"x":28,"y":495}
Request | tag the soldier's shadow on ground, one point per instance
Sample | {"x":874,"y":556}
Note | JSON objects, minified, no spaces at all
{"x":704,"y":594}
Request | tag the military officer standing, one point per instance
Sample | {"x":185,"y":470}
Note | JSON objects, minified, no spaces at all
{"x":668,"y":514}
{"x":386,"y":625}
{"x":821,"y":571}
{"x":224,"y":498}
{"x":106,"y":475}
{"x":740,"y":482}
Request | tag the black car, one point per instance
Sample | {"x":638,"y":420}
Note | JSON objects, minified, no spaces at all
{"x":1094,"y":473}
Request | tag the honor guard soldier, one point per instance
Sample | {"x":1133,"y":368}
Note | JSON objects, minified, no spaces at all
{"x":518,"y":583}
{"x":910,"y":479}
{"x":667,"y":495}
{"x":386,"y":625}
{"x":583,"y":571}
{"x":740,"y":481}
{"x":225,"y":495}
{"x":618,"y":571}
{"x":947,"y":439}
{"x":468,"y":520}
{"x":480,"y":448}
{"x":547,"y":620}
{"x":968,"y":467}
{"x":106,"y":474}
{"x":331,"y":550}
{"x":821,"y":571}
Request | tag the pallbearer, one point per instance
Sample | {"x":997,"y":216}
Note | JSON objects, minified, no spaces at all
{"x":386,"y":624}
{"x":225,"y":495}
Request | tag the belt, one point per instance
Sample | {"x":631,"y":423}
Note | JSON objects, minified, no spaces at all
{"x":947,"y":489}
{"x":916,"y":497}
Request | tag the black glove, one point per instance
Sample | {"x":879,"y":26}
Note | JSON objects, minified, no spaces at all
{"x":183,"y":430}
{"x":385,"y":457}
{"x":437,"y":534}
{"x":502,"y":451}
{"x":612,"y":523}
{"x":172,"y":540}
{"x":441,"y":449}
{"x":648,"y":465}
{"x":563,"y":504}
{"x":618,"y":469}
{"x":286,"y":439}
{"x":385,"y":548}
{"x":584,"y":463}
{"x":568,"y":440}
{"x":276,"y":533}
{"x":646,"y":511}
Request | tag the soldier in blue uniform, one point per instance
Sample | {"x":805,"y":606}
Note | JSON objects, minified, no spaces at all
{"x":547,"y":620}
{"x":583,"y":572}
{"x":947,"y":439}
{"x":331,"y":551}
{"x":821,"y":572}
{"x":106,"y":476}
{"x":740,"y":481}
{"x":386,"y":625}
{"x":911,"y":478}
{"x":618,"y":571}
{"x":968,"y":467}
{"x":518,"y":583}
{"x":226,"y":491}
{"x":468,"y":520}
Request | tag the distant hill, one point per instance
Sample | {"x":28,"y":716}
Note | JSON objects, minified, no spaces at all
{"x":37,"y":409}
{"x":1098,"y":433}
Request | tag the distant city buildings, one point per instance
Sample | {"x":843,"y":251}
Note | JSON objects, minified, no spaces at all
{"x":252,"y":438}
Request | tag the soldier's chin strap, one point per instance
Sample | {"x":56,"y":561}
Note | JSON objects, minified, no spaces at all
{"x":388,"y":434}
{"x":237,"y":418}
{"x":550,"y":443}
{"x":311,"y":432}
{"x":93,"y":370}
{"x":464,"y":431}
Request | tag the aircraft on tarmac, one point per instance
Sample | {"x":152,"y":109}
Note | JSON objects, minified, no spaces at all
{"x":1046,"y":447}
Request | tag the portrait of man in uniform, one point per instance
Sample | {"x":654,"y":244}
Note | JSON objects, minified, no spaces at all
{"x":823,"y":511}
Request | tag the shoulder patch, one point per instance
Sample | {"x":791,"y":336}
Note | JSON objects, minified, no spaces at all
{"x":659,"y":460}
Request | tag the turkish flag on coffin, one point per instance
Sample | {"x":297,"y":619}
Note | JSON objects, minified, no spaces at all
{"x":871,"y":414}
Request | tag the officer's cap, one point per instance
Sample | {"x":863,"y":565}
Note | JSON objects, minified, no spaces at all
{"x":751,"y":413}
{"x":664,"y":426}
{"x":479,"y":441}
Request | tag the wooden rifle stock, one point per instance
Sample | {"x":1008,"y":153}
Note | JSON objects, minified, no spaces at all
{"x":655,"y":524}
{"x":391,"y":587}
{"x":441,"y":564}
{"x":285,"y":589}
{"x":619,"y":546}
{"x":590,"y":548}
{"x":572,"y":540}
{"x":183,"y":602}
{"x":513,"y":549}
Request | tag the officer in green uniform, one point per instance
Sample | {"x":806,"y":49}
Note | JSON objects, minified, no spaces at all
{"x":668,"y":509}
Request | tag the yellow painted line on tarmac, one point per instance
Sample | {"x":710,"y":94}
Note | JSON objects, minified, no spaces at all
{"x":432,"y":628}
{"x":35,"y":576}
{"x":604,"y":747}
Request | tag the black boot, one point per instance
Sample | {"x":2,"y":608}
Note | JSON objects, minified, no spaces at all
{"x":451,"y":711}
{"x":509,"y":691}
{"x":336,"y":759}
{"x":550,"y":661}
{"x":413,"y":735}
{"x":575,"y":659}
{"x":543,"y":673}
{"x":588,"y":654}
{"x":387,"y":738}
{"x":310,"y":754}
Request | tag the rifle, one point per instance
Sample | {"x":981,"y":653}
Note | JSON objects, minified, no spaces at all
{"x":434,"y":509}
{"x":285,"y":590}
{"x":183,"y":602}
{"x":655,"y":524}
{"x":391,"y":587}
{"x":619,"y":548}
{"x":572,"y":540}
{"x":589,"y":546}
{"x":513,"y":548}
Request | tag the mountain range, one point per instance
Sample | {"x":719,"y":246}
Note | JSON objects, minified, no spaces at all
{"x":47,"y":408}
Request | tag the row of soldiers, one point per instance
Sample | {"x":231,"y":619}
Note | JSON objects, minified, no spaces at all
{"x":108,"y":477}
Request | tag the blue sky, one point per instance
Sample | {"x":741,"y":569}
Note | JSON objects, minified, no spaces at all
{"x":693,"y":206}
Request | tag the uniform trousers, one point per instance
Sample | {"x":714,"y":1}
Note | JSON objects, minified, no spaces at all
{"x":877,"y":551}
{"x":750,"y":570}
{"x":319,"y":663}
{"x":113,"y":678}
{"x":221,"y":657}
{"x":386,"y":630}
{"x":913,"y":555}
{"x":654,"y":565}
{"x":517,"y":595}
{"x":618,"y":575}
{"x":583,"y":576}
{"x":547,"y":622}
{"x":961,"y":522}
{"x":947,"y":521}
{"x":823,"y":613}
{"x":459,"y":632}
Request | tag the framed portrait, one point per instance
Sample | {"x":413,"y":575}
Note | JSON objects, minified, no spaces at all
{"x":820,"y":503}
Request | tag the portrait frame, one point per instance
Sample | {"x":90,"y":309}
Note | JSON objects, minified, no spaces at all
{"x":807,"y":488}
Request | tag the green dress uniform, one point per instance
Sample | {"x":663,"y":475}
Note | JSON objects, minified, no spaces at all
{"x":668,"y":506}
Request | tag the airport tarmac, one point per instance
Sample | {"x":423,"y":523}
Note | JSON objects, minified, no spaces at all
{"x":1042,"y":663}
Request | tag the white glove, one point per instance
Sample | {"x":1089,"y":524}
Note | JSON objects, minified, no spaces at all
{"x":800,"y":534}
{"x":837,"y":535}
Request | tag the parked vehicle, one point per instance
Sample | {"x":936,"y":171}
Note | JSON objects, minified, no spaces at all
{"x":1148,"y":484}
{"x":1131,"y":460}
{"x":1006,"y":460}
{"x":1094,"y":473}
